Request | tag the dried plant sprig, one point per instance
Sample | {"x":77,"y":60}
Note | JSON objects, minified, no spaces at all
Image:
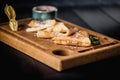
{"x":10,"y":12}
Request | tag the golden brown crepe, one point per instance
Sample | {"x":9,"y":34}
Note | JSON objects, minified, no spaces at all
{"x":36,"y":25}
{"x":59,"y":33}
{"x":78,"y":39}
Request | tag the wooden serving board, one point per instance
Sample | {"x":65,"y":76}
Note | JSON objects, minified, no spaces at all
{"x":58,"y":57}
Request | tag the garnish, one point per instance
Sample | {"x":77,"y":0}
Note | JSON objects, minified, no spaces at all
{"x":10,"y":12}
{"x":94,"y":40}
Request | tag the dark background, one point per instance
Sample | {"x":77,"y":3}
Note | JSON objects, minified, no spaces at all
{"x":102,"y":16}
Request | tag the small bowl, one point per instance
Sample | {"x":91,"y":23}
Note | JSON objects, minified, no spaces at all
{"x":44,"y":12}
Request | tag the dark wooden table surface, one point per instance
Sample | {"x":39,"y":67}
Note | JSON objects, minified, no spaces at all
{"x":15,"y":65}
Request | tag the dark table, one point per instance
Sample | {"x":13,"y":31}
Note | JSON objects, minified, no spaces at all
{"x":15,"y":65}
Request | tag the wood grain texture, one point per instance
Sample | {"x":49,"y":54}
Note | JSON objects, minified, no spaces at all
{"x":112,"y":12}
{"x":58,"y":57}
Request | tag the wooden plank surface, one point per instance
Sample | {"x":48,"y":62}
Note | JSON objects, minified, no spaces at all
{"x":99,"y":21}
{"x":112,"y":12}
{"x":69,"y":15}
{"x":58,"y":57}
